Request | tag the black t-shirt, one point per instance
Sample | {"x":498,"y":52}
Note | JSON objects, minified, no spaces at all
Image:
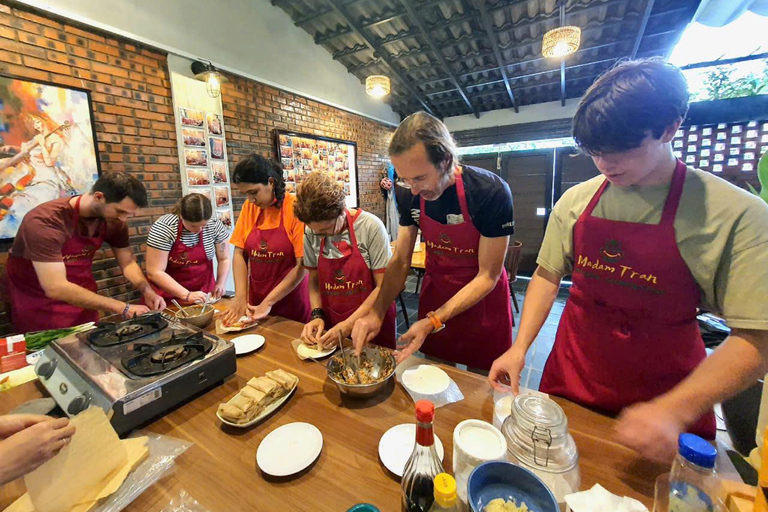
{"x":489,"y":202}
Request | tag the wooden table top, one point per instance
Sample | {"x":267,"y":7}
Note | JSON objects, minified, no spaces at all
{"x":418,"y":259}
{"x":220,"y":470}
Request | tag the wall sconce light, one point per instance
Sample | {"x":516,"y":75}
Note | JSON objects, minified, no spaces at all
{"x":205,"y":72}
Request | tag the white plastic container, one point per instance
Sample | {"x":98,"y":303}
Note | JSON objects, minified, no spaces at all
{"x":474,"y":442}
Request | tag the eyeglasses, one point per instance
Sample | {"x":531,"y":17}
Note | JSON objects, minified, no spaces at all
{"x":401,"y":183}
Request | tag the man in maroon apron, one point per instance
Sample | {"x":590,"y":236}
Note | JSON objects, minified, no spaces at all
{"x":465,"y":216}
{"x":628,"y":342}
{"x":343,"y":282}
{"x":269,"y":275}
{"x":49,"y":278}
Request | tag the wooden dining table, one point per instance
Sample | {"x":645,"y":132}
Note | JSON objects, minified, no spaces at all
{"x":219,"y":470}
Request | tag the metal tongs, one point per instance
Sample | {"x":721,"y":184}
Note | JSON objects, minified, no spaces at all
{"x":206,"y":303}
{"x":355,"y":367}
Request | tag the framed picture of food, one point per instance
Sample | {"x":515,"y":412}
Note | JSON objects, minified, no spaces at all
{"x":219,"y":171}
{"x":215,"y":126}
{"x":222,"y":196}
{"x":198,"y":177}
{"x":196,"y":157}
{"x":191,"y":117}
{"x":217,"y":148}
{"x":193,"y":137}
{"x":225,"y":216}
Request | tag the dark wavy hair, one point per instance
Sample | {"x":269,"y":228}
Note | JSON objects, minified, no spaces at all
{"x":631,"y":101}
{"x":256,"y":169}
{"x":116,"y":186}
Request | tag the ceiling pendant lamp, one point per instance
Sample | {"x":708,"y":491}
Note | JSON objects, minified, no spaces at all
{"x":561,"y":42}
{"x":377,"y":86}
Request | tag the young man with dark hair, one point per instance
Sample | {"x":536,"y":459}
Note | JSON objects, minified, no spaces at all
{"x":465,"y":217}
{"x":49,"y":276}
{"x":647,"y":243}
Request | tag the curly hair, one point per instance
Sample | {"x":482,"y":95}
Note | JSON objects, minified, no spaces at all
{"x":256,"y":169}
{"x":319,"y":198}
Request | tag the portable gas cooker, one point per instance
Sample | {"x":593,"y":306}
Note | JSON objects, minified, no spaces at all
{"x":137,"y":369}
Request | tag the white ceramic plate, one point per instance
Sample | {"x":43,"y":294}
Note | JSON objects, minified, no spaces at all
{"x":247,"y":343}
{"x":396,"y":446}
{"x":426,"y":379}
{"x":289,"y":449}
{"x":311,"y":353}
{"x":263,"y":414}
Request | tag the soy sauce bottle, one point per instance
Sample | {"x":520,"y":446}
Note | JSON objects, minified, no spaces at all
{"x":423,"y":465}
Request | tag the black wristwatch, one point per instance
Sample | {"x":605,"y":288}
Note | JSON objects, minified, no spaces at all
{"x":317,"y":313}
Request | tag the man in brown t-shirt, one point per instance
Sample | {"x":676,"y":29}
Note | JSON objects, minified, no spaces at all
{"x":49,"y":275}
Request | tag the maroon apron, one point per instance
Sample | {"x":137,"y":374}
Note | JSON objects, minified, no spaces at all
{"x":188,"y":266}
{"x":629,"y":331}
{"x":270,"y":258}
{"x":31,"y":309}
{"x":346,"y":282}
{"x":483,"y":332}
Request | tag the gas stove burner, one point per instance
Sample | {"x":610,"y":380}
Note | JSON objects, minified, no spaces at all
{"x":168,"y":354}
{"x":107,"y":334}
{"x":146,"y":360}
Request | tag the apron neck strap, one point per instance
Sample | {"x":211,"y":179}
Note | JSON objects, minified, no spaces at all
{"x":673,"y":197}
{"x":462,"y":195}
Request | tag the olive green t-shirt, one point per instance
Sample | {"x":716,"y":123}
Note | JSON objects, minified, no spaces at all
{"x":721,"y":231}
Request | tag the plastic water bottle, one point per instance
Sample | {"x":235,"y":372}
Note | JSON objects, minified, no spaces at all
{"x":693,"y":479}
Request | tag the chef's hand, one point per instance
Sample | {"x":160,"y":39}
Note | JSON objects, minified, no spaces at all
{"x":260,"y":311}
{"x":506,"y":370}
{"x":365,"y":329}
{"x":195,"y":297}
{"x":413,"y":339}
{"x":13,"y":423}
{"x":331,"y":337}
{"x":28,"y":449}
{"x":650,"y":429}
{"x":135,"y":310}
{"x":312,"y":331}
{"x":218,"y":291}
{"x":237,"y":309}
{"x":153,"y":300}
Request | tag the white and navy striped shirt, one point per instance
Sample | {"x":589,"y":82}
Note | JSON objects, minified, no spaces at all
{"x":162,"y":234}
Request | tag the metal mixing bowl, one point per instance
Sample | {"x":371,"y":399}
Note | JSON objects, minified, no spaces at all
{"x":194,"y":317}
{"x":383,"y":361}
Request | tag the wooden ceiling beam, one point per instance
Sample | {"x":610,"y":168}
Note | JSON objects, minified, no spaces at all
{"x":488,"y":27}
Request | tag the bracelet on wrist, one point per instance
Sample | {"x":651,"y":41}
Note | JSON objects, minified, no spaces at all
{"x":186,"y":299}
{"x":317,"y":313}
{"x":125,"y":310}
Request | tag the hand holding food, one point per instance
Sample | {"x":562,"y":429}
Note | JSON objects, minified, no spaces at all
{"x":12,"y":423}
{"x":312,"y":331}
{"x":331,"y":337}
{"x":364,"y":330}
{"x":196,"y":297}
{"x":218,"y":292}
{"x":26,"y":450}
{"x":238,"y":309}
{"x":413,"y":339}
{"x":260,"y":311}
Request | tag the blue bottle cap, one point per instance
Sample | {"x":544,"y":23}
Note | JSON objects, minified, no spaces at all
{"x":697,"y":451}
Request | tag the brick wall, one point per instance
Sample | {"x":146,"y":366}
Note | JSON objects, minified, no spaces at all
{"x":252,"y":111}
{"x":134,"y":121}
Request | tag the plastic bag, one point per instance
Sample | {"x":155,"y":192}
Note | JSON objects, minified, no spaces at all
{"x":450,"y":395}
{"x":163,"y":450}
{"x":184,"y":503}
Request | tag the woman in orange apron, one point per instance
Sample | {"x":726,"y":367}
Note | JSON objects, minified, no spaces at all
{"x":346,"y":253}
{"x":180,"y":250}
{"x":269,"y":244}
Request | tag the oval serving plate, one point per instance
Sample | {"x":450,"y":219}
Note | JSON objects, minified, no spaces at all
{"x":263,"y":414}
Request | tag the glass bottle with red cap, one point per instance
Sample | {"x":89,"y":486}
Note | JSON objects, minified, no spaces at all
{"x":424,"y":464}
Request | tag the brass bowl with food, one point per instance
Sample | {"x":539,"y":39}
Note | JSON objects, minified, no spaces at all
{"x":194,"y":315}
{"x":377,"y":366}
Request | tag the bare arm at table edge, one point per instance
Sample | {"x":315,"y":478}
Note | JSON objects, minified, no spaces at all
{"x":652,"y":428}
{"x":539,"y":297}
{"x":53,"y":279}
{"x":367,"y":326}
{"x":157,"y":262}
{"x":490,"y":255}
{"x":223,"y":264}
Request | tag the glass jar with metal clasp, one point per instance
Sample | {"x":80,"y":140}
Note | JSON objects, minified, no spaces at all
{"x":537,"y":439}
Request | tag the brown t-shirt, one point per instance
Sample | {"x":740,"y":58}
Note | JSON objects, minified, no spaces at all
{"x":46,"y":228}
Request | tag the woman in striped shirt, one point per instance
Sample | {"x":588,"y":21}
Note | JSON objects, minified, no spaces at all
{"x":180,"y":249}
